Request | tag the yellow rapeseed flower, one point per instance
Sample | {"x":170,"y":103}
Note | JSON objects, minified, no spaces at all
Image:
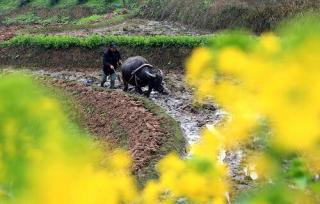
{"x":232,"y":61}
{"x":151,"y":193}
{"x":9,"y":131}
{"x":193,"y":186}
{"x":270,"y":42}
{"x":197,"y":63}
{"x":120,"y":160}
{"x":263,"y":165}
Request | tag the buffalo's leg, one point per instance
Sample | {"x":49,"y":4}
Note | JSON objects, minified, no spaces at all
{"x":126,"y":86}
{"x":147,"y":93}
{"x":139,"y":90}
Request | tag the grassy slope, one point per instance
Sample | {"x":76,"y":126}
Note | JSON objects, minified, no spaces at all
{"x":80,"y":24}
{"x":6,"y":5}
{"x":255,"y":15}
{"x":9,"y":5}
{"x":40,"y":12}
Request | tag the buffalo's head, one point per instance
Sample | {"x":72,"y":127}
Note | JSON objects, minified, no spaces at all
{"x":157,"y":82}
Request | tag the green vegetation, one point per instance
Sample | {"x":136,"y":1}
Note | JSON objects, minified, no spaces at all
{"x":121,"y":134}
{"x":69,"y":19}
{"x":7,"y":5}
{"x":88,"y":19}
{"x":32,"y":18}
{"x":98,"y":5}
{"x":61,"y":3}
{"x":103,"y":3}
{"x":28,"y":18}
{"x":76,"y":25}
{"x":52,"y":41}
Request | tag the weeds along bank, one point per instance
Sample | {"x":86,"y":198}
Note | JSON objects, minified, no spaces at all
{"x":59,"y":11}
{"x":256,"y":15}
{"x":13,"y":5}
{"x":63,"y":19}
{"x":165,"y":52}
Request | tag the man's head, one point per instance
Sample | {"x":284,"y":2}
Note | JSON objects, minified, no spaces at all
{"x":113,"y":47}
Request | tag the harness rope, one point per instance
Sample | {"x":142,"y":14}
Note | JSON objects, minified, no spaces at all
{"x":133,"y":73}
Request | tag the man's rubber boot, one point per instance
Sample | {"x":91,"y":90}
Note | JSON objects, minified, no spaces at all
{"x":112,"y":81}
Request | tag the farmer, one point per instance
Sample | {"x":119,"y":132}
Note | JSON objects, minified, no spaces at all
{"x":111,"y":61}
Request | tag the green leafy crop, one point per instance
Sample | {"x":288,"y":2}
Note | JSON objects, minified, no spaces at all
{"x":52,"y":41}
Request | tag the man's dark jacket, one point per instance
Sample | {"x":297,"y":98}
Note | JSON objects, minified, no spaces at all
{"x":110,"y":58}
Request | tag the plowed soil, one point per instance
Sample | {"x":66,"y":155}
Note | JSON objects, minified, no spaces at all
{"x":123,"y":121}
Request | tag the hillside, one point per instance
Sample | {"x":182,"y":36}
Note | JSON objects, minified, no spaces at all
{"x":207,"y":15}
{"x":255,"y":15}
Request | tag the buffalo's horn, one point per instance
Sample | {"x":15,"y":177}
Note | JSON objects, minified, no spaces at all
{"x":152,"y":75}
{"x":161,"y":72}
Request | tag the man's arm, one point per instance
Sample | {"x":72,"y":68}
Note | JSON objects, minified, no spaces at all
{"x":106,"y":60}
{"x":119,"y":58}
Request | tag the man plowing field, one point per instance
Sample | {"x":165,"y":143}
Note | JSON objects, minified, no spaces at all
{"x":111,"y":61}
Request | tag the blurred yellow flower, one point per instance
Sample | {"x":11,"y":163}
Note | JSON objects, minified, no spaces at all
{"x":197,"y":63}
{"x":120,"y":160}
{"x":264,"y":166}
{"x":193,"y":186}
{"x":151,"y":193}
{"x":232,"y":61}
{"x":270,"y":42}
{"x":274,"y":81}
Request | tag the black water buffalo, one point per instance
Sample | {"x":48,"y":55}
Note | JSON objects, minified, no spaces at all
{"x":138,"y":72}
